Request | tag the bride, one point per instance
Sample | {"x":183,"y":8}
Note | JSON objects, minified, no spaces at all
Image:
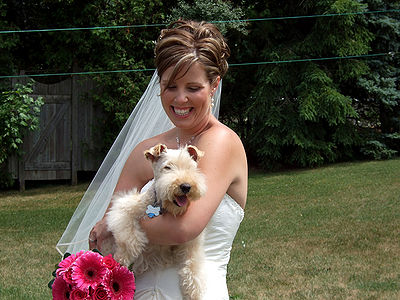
{"x":191,"y":59}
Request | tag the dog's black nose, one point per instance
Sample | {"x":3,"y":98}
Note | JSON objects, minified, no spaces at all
{"x":185,"y":187}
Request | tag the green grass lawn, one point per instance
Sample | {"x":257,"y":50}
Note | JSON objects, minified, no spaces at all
{"x":326,"y":233}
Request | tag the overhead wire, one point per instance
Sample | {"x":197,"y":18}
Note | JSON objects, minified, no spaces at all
{"x":212,"y":21}
{"x":217,"y":21}
{"x":231,"y":65}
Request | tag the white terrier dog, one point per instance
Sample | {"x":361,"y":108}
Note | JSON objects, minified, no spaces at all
{"x":177,"y":182}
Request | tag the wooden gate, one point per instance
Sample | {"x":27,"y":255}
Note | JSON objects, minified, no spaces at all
{"x":58,"y":150}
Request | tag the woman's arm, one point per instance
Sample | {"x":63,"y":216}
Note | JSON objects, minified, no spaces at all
{"x":136,"y":172}
{"x":220,"y":166}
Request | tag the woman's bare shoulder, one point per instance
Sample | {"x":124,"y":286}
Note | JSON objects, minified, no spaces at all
{"x":223,"y":149}
{"x":225,"y":162}
{"x":220,"y":136}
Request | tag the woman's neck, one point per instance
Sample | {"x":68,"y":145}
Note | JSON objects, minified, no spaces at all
{"x":189,"y":135}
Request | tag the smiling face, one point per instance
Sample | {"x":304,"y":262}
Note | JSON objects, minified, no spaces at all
{"x":187,"y":98}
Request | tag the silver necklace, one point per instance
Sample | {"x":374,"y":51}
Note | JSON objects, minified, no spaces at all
{"x":189,"y":142}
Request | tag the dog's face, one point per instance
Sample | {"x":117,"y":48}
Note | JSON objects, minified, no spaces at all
{"x":178,"y":181}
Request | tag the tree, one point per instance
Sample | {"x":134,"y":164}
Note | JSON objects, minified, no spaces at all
{"x":211,"y":11}
{"x":379,"y":90}
{"x":7,"y":42}
{"x":299,"y":113}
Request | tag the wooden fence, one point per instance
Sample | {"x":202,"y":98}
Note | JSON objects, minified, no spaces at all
{"x":66,"y":141}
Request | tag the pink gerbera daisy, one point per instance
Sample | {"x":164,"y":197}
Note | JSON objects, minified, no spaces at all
{"x":88,"y":270}
{"x":60,"y":289}
{"x":64,"y":265}
{"x":120,"y":283}
{"x":80,"y":253}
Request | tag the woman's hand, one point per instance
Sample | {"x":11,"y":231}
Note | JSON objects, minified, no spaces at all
{"x":101,"y":238}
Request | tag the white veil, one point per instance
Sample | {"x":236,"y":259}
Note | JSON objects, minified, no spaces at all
{"x":147,"y":119}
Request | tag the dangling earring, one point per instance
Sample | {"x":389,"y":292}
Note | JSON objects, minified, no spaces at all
{"x":212,"y":101}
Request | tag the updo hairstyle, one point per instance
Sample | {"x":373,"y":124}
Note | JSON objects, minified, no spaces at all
{"x":186,"y":42}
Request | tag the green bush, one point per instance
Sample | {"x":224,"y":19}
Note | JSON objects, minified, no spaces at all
{"x":381,"y":146}
{"x":18,"y":112}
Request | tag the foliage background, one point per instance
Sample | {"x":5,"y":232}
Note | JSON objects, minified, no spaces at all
{"x":18,"y":112}
{"x":300,"y":114}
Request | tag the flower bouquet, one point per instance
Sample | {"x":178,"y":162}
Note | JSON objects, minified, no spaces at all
{"x":89,"y":275}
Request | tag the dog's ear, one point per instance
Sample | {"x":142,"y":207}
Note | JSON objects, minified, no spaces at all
{"x":195,"y":153}
{"x":153,"y":154}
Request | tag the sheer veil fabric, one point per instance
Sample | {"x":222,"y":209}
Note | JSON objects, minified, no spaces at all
{"x":147,"y":119}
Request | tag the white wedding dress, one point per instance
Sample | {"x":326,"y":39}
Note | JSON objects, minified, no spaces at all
{"x":218,"y":238}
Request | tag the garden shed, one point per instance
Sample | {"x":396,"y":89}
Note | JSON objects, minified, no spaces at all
{"x":66,"y":140}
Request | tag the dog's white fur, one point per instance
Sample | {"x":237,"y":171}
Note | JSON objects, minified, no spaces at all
{"x":172,"y":168}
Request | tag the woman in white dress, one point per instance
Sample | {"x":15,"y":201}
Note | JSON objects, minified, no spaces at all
{"x":191,"y":60}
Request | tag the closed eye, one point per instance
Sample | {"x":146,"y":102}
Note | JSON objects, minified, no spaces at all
{"x":167,"y":168}
{"x":194,"y":88}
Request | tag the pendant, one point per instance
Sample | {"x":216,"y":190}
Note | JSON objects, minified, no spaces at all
{"x":189,"y":142}
{"x":153,"y":211}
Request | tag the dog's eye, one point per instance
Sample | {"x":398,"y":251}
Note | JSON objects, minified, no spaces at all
{"x":167,"y":168}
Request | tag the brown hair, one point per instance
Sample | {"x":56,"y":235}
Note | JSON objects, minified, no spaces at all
{"x":186,"y":42}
